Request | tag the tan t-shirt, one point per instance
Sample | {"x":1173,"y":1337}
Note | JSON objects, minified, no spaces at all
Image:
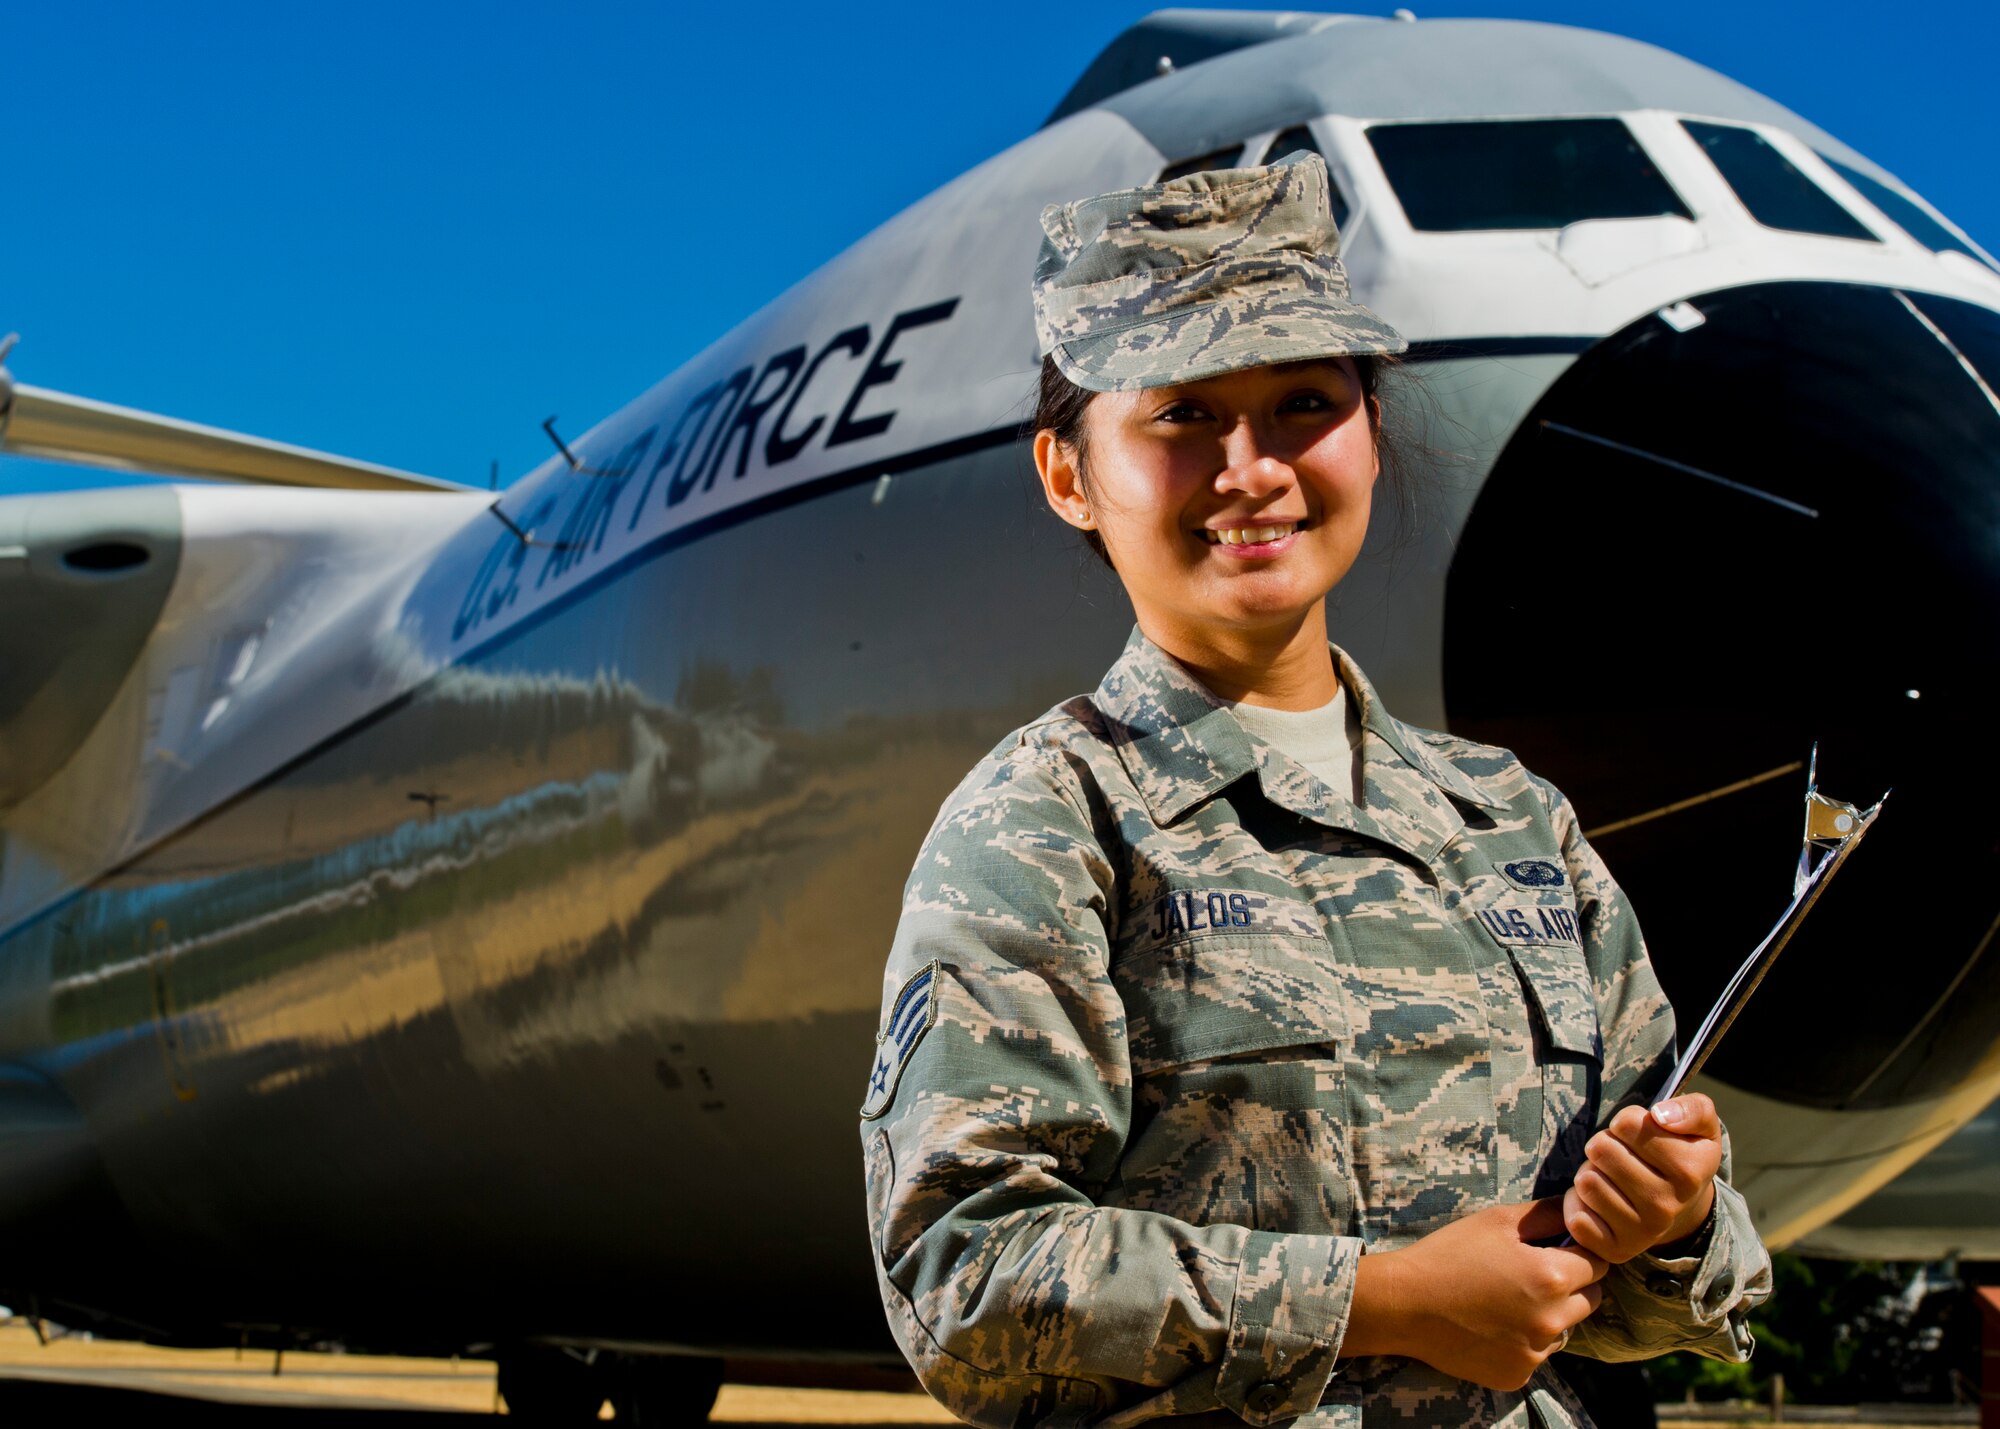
{"x":1326,"y":741}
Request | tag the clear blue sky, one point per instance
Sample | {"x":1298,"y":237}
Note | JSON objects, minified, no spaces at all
{"x":408,"y":232}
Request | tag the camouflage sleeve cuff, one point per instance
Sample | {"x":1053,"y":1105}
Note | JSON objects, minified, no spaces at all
{"x":1699,"y":1301}
{"x":1292,"y":1297}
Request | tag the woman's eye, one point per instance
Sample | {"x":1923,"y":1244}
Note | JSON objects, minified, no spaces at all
{"x":1306,"y":402}
{"x":1181,"y":412}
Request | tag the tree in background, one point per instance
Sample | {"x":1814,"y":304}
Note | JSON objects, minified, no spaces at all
{"x":1846,"y":1332}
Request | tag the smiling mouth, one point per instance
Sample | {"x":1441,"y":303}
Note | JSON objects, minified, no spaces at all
{"x":1250,"y":535}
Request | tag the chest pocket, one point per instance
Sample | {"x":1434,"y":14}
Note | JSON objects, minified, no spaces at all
{"x":1559,"y":985}
{"x":1228,"y":988}
{"x":1569,"y":1047}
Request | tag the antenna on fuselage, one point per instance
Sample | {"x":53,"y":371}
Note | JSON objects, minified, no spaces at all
{"x":569,"y":456}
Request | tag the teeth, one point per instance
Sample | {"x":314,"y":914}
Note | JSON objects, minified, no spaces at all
{"x":1248,"y":535}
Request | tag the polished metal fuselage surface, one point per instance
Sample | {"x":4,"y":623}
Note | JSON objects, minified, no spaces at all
{"x":578,"y":948}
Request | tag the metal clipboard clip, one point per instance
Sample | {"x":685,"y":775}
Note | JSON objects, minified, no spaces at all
{"x":1833,"y":831}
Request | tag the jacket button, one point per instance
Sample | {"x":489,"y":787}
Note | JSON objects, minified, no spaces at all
{"x":1665,"y":1286}
{"x":1719,"y":1291}
{"x":1266,"y":1398}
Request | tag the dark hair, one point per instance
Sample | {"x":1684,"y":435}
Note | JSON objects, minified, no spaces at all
{"x":1060,"y":404}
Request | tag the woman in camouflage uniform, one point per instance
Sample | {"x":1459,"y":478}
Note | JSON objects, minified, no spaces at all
{"x":1243,"y":1046}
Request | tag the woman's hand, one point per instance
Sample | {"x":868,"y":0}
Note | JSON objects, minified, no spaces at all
{"x":1477,"y":1298}
{"x":1648,"y":1178}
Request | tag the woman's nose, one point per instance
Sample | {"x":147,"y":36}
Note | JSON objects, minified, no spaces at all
{"x":1250,"y":466}
{"x":1254,"y":473}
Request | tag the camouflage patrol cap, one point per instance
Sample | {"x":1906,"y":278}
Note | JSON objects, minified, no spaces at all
{"x":1204,"y":274}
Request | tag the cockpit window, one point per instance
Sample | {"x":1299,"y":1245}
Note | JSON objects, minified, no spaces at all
{"x":1462,"y":177}
{"x":1776,"y":193}
{"x":1220,"y":159}
{"x":1296,"y":140}
{"x":1903,"y":213}
{"x":1299,"y":140}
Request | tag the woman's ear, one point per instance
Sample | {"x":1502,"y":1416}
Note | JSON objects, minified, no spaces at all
{"x":1062,"y":480}
{"x":1375,"y":434}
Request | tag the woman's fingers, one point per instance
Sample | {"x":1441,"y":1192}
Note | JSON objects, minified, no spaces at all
{"x":1690,"y":1114}
{"x":1496,"y":1299}
{"x":1631,"y":1227}
{"x":1628,"y":1197}
{"x":1554,"y":1216}
{"x":1578,"y":1265}
{"x":1685,"y":1147}
{"x":1587,"y":1228}
{"x":1644,"y":1174}
{"x":1541,"y":1220}
{"x":1638,"y":1181}
{"x":1622,"y":1207}
{"x":1686,"y":1162}
{"x":1573,"y":1311}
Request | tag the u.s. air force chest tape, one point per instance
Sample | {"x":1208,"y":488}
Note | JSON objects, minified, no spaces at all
{"x":1538,"y":911}
{"x":911,"y":1015}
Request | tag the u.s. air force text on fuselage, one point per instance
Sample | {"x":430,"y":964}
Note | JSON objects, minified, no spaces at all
{"x":727,"y":415}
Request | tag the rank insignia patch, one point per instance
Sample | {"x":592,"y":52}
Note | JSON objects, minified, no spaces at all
{"x":1532,"y":875}
{"x":911,"y":1016}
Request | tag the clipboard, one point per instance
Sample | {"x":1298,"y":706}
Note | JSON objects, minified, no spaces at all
{"x":1833,"y":831}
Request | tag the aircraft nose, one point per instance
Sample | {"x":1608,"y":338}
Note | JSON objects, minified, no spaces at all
{"x":1765,"y":517}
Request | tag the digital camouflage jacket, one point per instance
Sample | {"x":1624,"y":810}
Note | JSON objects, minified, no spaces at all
{"x":1173,"y":1035}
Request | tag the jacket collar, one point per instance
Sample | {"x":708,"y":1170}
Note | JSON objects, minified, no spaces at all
{"x":1180,"y":745}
